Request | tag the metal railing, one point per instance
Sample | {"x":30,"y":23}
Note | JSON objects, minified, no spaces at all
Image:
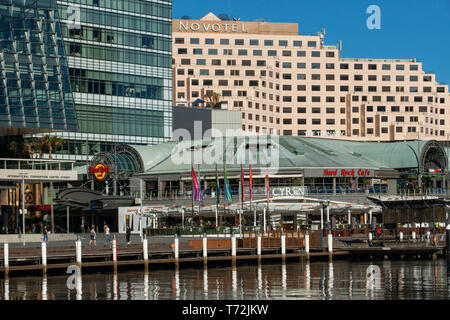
{"x":424,"y":192}
{"x":36,"y":164}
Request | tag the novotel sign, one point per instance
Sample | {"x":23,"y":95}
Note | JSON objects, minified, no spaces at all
{"x":212,"y":27}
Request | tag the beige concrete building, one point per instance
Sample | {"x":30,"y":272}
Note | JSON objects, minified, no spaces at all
{"x":293,"y":84}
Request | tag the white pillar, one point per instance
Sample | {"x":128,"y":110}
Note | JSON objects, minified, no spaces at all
{"x":254,"y":217}
{"x":177,"y":247}
{"x":370,"y":237}
{"x":401,"y":236}
{"x":321,"y":218}
{"x":44,"y":256}
{"x":205,"y":246}
{"x":145,"y":249}
{"x":182,"y":218}
{"x":413,"y":235}
{"x":330,"y":242}
{"x":6,"y":255}
{"x":370,"y":216}
{"x":328,"y":213}
{"x":349,"y":217}
{"x":264,"y":219}
{"x":307,"y":243}
{"x":217,"y":218}
{"x":233,"y":246}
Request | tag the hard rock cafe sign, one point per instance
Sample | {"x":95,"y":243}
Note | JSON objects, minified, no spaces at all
{"x":100,"y":171}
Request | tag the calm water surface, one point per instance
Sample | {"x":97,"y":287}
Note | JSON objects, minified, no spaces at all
{"x":418,"y":279}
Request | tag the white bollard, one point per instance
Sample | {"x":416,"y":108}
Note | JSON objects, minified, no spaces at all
{"x":330,"y":242}
{"x":114,"y":250}
{"x":401,"y":236}
{"x":258,"y":246}
{"x":233,"y":247}
{"x":370,"y":237}
{"x":307,"y":243}
{"x":264,"y":219}
{"x":6,"y":256}
{"x":413,"y":235}
{"x":177,"y":247}
{"x":205,"y":246}
{"x":44,"y":256}
{"x":145,"y":249}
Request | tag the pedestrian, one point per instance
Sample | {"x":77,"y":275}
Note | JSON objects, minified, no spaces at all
{"x":107,"y":234}
{"x":33,"y":230}
{"x":45,"y":234}
{"x":82,"y":225}
{"x":93,"y":236}
{"x":128,"y":234}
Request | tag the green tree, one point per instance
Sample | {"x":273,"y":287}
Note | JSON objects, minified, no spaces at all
{"x":21,"y":148}
{"x":212,"y":99}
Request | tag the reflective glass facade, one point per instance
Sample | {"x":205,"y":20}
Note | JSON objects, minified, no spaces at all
{"x":119,"y":57}
{"x":35,"y":92}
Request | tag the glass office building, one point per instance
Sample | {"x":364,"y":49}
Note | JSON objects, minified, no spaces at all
{"x":35,"y":93}
{"x":119,"y":57}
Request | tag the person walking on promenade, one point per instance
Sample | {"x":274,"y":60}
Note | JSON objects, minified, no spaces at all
{"x":93,"y":236}
{"x":128,"y":234}
{"x":107,"y":232}
{"x":45,"y":234}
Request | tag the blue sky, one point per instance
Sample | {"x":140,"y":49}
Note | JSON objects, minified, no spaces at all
{"x":409,"y":28}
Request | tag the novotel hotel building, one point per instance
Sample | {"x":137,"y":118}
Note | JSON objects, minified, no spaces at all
{"x":291,"y":84}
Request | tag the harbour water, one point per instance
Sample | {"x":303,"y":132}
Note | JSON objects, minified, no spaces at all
{"x":338,"y":280}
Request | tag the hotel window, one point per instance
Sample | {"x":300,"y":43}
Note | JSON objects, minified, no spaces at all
{"x":342,"y":110}
{"x":204,"y":72}
{"x":386,"y":67}
{"x":413,"y":67}
{"x":301,"y":53}
{"x":440,"y":89}
{"x":344,"y":88}
{"x":372,"y":78}
{"x":355,"y":98}
{"x":355,"y":120}
{"x":268,"y":43}
{"x":227,"y":52}
{"x":198,"y":51}
{"x":329,"y":65}
{"x":254,"y":42}
{"x":195,"y":94}
{"x":329,"y":88}
{"x":201,"y":62}
{"x":369,"y":131}
{"x":238,"y":83}
{"x":182,"y":51}
{"x":384,"y":130}
{"x":395,"y":109}
{"x":239,"y":42}
{"x":413,"y":119}
{"x":283,"y":43}
{"x":343,"y":77}
{"x":342,"y":121}
{"x":329,"y":54}
{"x":344,"y":66}
{"x":287,"y":110}
{"x":287,"y":76}
{"x":315,"y":65}
{"x":272,"y":53}
{"x":369,"y":108}
{"x":330,"y":99}
{"x":179,"y":40}
{"x":195,"y":41}
{"x":315,"y":54}
{"x":329,"y":77}
{"x":355,"y":132}
{"x":386,"y":78}
{"x":287,"y":121}
{"x":297,"y":43}
{"x":219,"y":72}
{"x":257,"y":53}
{"x":261,"y":63}
{"x":287,"y":99}
{"x":287,"y":132}
{"x":286,"y":53}
{"x":315,"y":99}
{"x":413,"y":89}
{"x":212,"y":52}
{"x":180,"y":72}
{"x":301,"y":65}
{"x":399,"y":78}
{"x":194,"y":82}
{"x":315,"y":76}
{"x":226,"y":93}
{"x":330,"y":110}
{"x":209,"y":41}
{"x":301,"y":76}
{"x":409,"y":109}
{"x":381,"y":109}
{"x":231,"y":62}
{"x":301,"y":87}
{"x":223,"y":83}
{"x":358,"y":66}
{"x":244,"y":94}
{"x":207,"y":82}
{"x":246,"y":63}
{"x":312,"y":44}
{"x":287,"y":87}
{"x":413,"y":78}
{"x":400,"y":67}
{"x":301,"y":121}
{"x":253,"y":83}
{"x":376,"y":98}
{"x":423,"y":109}
{"x":426,"y":78}
{"x":369,"y":119}
{"x":185,"y":61}
{"x":372,"y":67}
{"x":180,"y":83}
{"x":426,"y":89}
{"x":234,"y":72}
{"x":315,"y":110}
{"x":330,"y":121}
{"x":301,"y":110}
{"x":224,"y":42}
{"x":355,"y":109}
{"x":301,"y":99}
{"x":418,"y":99}
{"x":242,"y":52}
{"x":358,"y":77}
{"x":399,"y":129}
{"x":215,"y":62}
{"x":287,"y":65}
{"x":315,"y":121}
{"x":386,"y":89}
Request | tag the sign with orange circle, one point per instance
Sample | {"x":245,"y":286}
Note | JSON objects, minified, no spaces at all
{"x":100,"y":171}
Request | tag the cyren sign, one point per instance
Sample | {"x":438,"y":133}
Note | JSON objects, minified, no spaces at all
{"x":346,"y":173}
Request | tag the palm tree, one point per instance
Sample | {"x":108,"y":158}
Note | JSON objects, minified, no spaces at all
{"x":21,"y":148}
{"x":212,"y":99}
{"x":51,"y":143}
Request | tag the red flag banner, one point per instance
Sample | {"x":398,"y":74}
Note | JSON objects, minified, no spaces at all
{"x":243,"y":190}
{"x":251,"y":191}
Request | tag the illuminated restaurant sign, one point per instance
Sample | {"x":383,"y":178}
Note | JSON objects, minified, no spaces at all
{"x":99,"y":171}
{"x":340,"y":172}
{"x":212,"y":27}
